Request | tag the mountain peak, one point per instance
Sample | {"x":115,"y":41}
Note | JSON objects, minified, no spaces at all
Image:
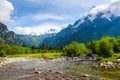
{"x":106,"y":10}
{"x":7,"y":36}
{"x":3,"y":29}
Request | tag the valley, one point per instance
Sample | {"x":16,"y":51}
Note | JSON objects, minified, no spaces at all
{"x":59,"y":40}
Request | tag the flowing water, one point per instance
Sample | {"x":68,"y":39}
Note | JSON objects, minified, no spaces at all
{"x":21,"y":68}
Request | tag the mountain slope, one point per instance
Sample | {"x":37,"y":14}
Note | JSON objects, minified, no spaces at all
{"x":98,"y":22}
{"x":31,"y":40}
{"x":8,"y":37}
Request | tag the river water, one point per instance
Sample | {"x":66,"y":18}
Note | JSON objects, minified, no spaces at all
{"x":20,"y":69}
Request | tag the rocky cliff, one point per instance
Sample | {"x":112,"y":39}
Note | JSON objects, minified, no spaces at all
{"x":8,"y":37}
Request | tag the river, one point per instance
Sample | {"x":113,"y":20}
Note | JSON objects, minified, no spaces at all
{"x":21,"y":69}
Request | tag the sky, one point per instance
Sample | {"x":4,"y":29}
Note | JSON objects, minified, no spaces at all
{"x":41,"y":16}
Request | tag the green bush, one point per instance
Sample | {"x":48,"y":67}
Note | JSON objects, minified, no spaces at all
{"x":105,"y":48}
{"x":5,"y":50}
{"x":3,"y":53}
{"x":76,"y":49}
{"x":12,"y":50}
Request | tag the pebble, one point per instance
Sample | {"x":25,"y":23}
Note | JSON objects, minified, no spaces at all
{"x":51,"y":75}
{"x":3,"y":63}
{"x":37,"y":72}
{"x":43,"y":79}
{"x":0,"y":66}
{"x":34,"y":69}
{"x":62,"y":79}
{"x":85,"y":75}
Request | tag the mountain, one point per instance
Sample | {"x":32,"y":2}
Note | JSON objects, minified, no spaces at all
{"x":31,"y":40}
{"x":8,"y":37}
{"x":98,"y":22}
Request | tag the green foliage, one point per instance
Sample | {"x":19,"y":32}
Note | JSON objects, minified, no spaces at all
{"x":105,"y":47}
{"x":116,"y":43}
{"x":44,"y":47}
{"x":27,"y":50}
{"x":5,"y":50}
{"x":71,"y":50}
{"x":33,"y":47}
{"x":83,"y":50}
{"x":76,"y":49}
{"x":39,"y":55}
{"x":12,"y":50}
{"x":92,"y":46}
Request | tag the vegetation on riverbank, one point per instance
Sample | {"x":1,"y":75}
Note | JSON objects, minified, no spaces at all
{"x":108,"y":48}
{"x":39,"y":55}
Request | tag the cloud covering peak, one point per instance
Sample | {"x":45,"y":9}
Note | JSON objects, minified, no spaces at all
{"x":39,"y":29}
{"x":107,"y":10}
{"x":6,"y":9}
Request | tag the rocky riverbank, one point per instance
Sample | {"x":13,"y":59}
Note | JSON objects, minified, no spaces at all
{"x":41,"y":69}
{"x":110,"y":64}
{"x":34,"y":69}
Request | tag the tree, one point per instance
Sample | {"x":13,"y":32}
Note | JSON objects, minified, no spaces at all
{"x":33,"y":47}
{"x":92,"y":46}
{"x":116,"y":45}
{"x":5,"y":50}
{"x":105,"y":48}
{"x":70,"y":50}
{"x":83,"y":50}
{"x":44,"y":47}
{"x":28,"y":50}
{"x":76,"y":49}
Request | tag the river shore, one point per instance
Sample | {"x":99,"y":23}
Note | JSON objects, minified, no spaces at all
{"x":20,"y":68}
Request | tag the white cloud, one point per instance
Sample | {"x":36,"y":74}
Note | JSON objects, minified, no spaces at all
{"x":115,"y":8}
{"x":70,"y":3}
{"x":35,"y":1}
{"x":108,"y":10}
{"x":39,"y":29}
{"x":94,"y":11}
{"x":6,"y":9}
{"x":23,"y":30}
{"x":38,"y":17}
{"x":49,"y":16}
{"x":57,"y":11}
{"x":114,"y":1}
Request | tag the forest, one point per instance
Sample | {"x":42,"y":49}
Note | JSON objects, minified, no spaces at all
{"x":106,"y":47}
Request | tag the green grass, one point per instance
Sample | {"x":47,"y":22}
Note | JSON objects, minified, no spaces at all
{"x":39,"y":55}
{"x":112,"y":58}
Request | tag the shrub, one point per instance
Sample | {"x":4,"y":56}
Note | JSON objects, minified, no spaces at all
{"x":76,"y":49}
{"x":105,"y":48}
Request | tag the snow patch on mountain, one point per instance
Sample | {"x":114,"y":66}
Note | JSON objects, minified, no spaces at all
{"x":107,"y":11}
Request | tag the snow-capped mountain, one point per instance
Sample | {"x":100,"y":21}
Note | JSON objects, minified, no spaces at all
{"x":102,"y":20}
